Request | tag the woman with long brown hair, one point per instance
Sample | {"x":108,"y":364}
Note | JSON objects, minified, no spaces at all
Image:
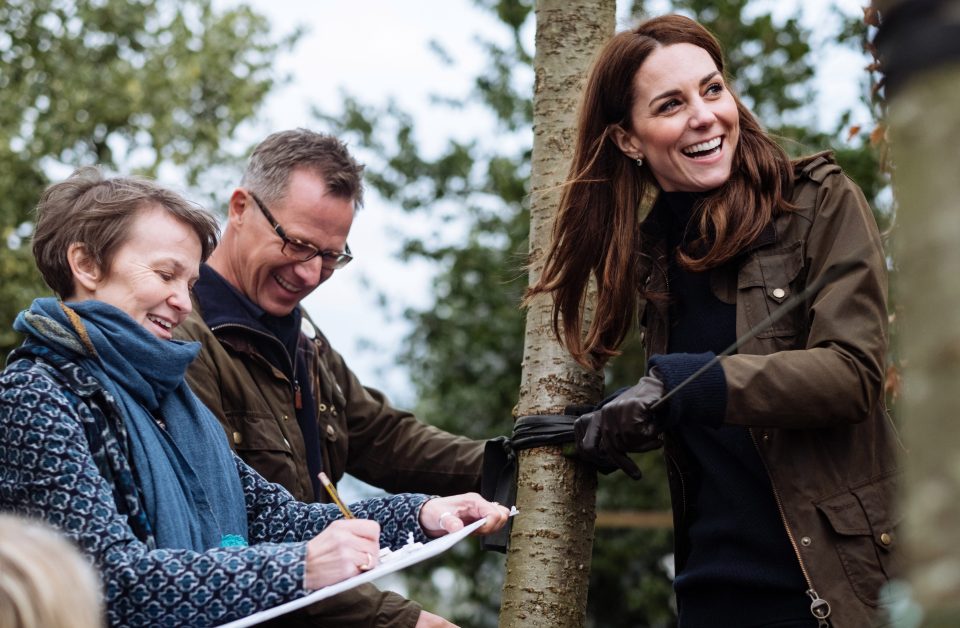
{"x":780,"y":456}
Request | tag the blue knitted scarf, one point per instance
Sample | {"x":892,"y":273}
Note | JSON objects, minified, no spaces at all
{"x":183,"y":464}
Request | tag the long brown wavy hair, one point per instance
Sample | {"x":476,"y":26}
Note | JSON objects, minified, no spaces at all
{"x":597,"y":230}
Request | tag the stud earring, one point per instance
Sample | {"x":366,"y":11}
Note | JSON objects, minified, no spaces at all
{"x":639,"y":161}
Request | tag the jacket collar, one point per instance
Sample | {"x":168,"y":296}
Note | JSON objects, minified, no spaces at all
{"x":228,"y":313}
{"x":222,"y":304}
{"x":767,"y":237}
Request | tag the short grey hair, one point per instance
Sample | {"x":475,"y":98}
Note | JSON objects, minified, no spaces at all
{"x":280,"y":154}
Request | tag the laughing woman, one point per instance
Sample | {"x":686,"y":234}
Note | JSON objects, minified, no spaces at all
{"x":780,"y":458}
{"x":101,"y":437}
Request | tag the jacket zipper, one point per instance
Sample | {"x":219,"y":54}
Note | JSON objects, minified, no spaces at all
{"x":659,"y":264}
{"x":294,"y":383}
{"x":819,"y":607}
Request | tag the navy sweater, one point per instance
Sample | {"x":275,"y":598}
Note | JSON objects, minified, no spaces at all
{"x":741,"y":570}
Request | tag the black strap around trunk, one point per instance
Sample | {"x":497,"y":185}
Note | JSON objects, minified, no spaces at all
{"x":499,"y":480}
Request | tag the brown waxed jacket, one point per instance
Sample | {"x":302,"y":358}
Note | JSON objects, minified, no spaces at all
{"x":809,"y":388}
{"x":361,"y":434}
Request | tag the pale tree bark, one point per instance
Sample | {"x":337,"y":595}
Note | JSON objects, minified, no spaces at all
{"x":924,"y":119}
{"x":548,"y":564}
{"x":925,"y":127}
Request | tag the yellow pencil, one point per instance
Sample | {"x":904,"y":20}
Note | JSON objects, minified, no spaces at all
{"x":327,"y":484}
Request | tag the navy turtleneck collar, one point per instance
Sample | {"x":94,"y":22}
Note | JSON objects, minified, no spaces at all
{"x":679,"y":212}
{"x":682,"y":217}
{"x":682,"y":203}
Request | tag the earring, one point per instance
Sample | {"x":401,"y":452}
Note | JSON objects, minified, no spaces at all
{"x":639,"y":161}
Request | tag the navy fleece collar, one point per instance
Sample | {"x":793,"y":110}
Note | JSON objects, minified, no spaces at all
{"x":222,"y":304}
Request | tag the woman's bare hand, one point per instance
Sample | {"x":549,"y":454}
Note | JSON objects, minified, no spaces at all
{"x":442,"y":515}
{"x":344,"y":549}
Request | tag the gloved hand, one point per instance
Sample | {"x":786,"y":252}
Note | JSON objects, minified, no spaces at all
{"x":605,"y":436}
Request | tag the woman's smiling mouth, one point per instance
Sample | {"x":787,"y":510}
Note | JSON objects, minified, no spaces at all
{"x":162,"y":323}
{"x":704,"y":149}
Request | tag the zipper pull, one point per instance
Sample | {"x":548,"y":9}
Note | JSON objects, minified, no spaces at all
{"x":297,"y":398}
{"x":819,"y":608}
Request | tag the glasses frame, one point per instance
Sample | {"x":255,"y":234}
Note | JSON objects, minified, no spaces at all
{"x":331,"y":259}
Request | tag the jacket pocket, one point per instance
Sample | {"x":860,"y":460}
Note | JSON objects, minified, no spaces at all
{"x":765,"y":281}
{"x":260,"y":442}
{"x":865,"y":521}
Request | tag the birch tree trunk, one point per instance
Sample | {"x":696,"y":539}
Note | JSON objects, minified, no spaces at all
{"x":548,"y":564}
{"x":924,"y":117}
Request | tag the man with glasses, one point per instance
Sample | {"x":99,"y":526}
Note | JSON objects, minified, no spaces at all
{"x":289,"y":404}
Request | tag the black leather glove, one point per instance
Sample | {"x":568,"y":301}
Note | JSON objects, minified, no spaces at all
{"x":605,"y":436}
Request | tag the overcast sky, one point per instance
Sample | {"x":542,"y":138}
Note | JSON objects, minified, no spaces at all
{"x":379,"y":49}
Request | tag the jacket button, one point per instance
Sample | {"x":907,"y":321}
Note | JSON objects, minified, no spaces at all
{"x":779,"y":293}
{"x":886,"y":539}
{"x":806,"y":541}
{"x":322,"y":407}
{"x":766,"y":436}
{"x":237,"y":438}
{"x":286,"y":418}
{"x":331,"y":432}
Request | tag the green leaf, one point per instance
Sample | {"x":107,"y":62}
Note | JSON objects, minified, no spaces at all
{"x":129,"y":85}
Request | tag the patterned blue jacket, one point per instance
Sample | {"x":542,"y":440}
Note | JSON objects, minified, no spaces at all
{"x":48,"y":470}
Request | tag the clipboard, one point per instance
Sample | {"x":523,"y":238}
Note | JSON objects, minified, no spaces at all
{"x":412,"y":557}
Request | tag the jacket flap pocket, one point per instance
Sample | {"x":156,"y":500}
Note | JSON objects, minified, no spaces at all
{"x":775,"y":271}
{"x":256,"y":431}
{"x":869,"y":510}
{"x":845,"y":515}
{"x":863,"y":521}
{"x":877,"y":500}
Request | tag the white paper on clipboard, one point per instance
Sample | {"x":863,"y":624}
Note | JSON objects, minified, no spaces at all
{"x":427,"y":550}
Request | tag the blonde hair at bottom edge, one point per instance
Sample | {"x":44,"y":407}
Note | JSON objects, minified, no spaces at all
{"x":44,"y":580}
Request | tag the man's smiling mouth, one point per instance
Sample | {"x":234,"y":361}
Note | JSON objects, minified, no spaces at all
{"x":285,"y":285}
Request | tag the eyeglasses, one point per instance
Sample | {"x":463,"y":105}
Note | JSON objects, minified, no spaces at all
{"x":301,"y":251}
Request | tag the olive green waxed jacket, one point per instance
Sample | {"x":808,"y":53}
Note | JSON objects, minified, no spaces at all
{"x":809,"y":388}
{"x":361,"y":434}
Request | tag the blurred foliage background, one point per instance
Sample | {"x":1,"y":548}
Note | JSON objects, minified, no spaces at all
{"x":144,"y":85}
{"x":131,"y":85}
